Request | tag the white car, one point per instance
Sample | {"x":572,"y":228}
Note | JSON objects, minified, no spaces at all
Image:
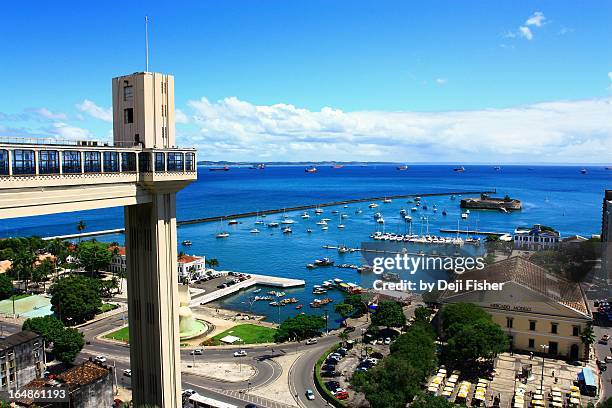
{"x":127,"y":372}
{"x":240,"y":353}
{"x":196,"y":352}
{"x":310,"y":395}
{"x":608,"y":359}
{"x":388,"y":341}
{"x":311,"y":341}
{"x":100,"y":359}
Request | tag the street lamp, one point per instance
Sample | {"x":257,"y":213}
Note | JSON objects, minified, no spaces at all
{"x":544,"y":351}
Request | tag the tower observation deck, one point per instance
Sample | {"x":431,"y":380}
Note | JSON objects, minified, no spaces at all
{"x":141,"y":170}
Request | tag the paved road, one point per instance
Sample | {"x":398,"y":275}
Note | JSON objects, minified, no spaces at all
{"x":601,"y":351}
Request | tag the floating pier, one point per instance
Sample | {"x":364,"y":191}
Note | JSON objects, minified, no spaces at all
{"x":473,"y":232}
{"x":255,"y":279}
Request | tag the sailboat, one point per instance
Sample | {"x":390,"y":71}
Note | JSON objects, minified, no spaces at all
{"x":221,"y":233}
{"x":257,"y":220}
{"x":254,"y":231}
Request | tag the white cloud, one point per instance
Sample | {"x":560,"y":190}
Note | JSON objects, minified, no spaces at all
{"x":180,"y":116}
{"x":98,"y":112}
{"x":526,"y":32}
{"x":65,"y":131}
{"x":441,"y":81}
{"x":564,"y":131}
{"x":47,"y":114}
{"x":536,"y":19}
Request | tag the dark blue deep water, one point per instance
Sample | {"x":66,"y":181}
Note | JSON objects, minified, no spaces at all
{"x":559,"y":196}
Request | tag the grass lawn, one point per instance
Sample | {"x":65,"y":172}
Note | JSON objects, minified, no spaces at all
{"x":106,"y":307}
{"x":250,"y":333}
{"x":122,"y":334}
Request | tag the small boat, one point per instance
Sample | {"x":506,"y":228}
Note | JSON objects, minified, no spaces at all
{"x":467,"y":212}
{"x":287,"y":230}
{"x":324,"y":262}
{"x":232,"y":222}
{"x":402,"y":212}
{"x":377,"y":215}
{"x":257,"y":290}
{"x":452,"y":197}
{"x":380,"y":220}
{"x":425,"y":206}
{"x":322,"y":222}
{"x":318,"y":211}
{"x":259,"y":222}
{"x":305,"y":216}
{"x":335,"y":212}
{"x":324,"y":228}
{"x":444,"y":212}
{"x":337,"y":166}
{"x":373,"y":205}
{"x":309,"y":230}
{"x":254,"y":231}
{"x":344,"y":216}
{"x":583,"y":171}
{"x":387,"y":200}
{"x":459,"y":169}
{"x":224,"y":168}
{"x":273,"y":224}
{"x":310,"y":266}
{"x":287,"y":221}
{"x":187,"y":243}
{"x":343,"y":249}
{"x":358,"y":211}
{"x":340,"y":226}
{"x":311,"y":169}
{"x":408,"y":218}
{"x":346,"y":206}
{"x":464,"y":216}
{"x":298,"y":307}
{"x":401,"y":168}
{"x":414,"y":209}
{"x":223,"y":235}
{"x":497,"y":168}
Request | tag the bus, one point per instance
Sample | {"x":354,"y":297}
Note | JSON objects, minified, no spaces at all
{"x":200,"y":401}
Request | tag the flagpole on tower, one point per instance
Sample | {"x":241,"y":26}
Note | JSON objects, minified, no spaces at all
{"x":146,"y":43}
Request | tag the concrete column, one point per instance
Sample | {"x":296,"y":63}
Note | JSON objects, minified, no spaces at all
{"x":10,"y":161}
{"x":151,"y":253}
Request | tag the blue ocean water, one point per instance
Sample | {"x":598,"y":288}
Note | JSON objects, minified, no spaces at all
{"x":559,"y":196}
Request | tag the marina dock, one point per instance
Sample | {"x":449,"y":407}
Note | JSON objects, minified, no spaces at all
{"x":472,"y":232}
{"x":255,"y":279}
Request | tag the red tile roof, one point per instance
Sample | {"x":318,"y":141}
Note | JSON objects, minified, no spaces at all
{"x":188,"y":258}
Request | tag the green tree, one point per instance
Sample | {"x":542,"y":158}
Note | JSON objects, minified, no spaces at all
{"x":389,"y":314}
{"x":422,"y":314}
{"x":94,"y":255}
{"x":42,"y":271}
{"x":343,"y":336}
{"x":212,"y":262}
{"x":6,"y":286}
{"x":471,"y":335}
{"x":68,"y":345}
{"x":75,"y":298}
{"x":587,"y":337}
{"x":23,"y":265}
{"x":344,"y":309}
{"x":431,"y":401}
{"x":49,"y":327}
{"x":299,"y":327}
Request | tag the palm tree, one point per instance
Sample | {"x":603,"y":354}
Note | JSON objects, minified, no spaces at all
{"x":81,"y":227}
{"x":343,"y":336}
{"x":587,"y":337}
{"x":212,"y":262}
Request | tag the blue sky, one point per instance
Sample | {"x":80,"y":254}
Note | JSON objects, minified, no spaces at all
{"x":337,"y":80}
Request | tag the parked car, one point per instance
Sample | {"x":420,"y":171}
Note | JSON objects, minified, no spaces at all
{"x":328,"y":367}
{"x":342,"y":351}
{"x":100,"y":359}
{"x":342,"y":395}
{"x":196,"y":352}
{"x":332,"y":385}
{"x":329,"y":374}
{"x":309,"y":394}
{"x":608,"y":359}
{"x":388,"y":341}
{"x":602,"y":365}
{"x":349,"y":329}
{"x":240,"y":353}
{"x":311,"y":341}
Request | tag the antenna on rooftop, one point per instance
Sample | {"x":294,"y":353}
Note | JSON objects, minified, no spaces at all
{"x":146,"y":43}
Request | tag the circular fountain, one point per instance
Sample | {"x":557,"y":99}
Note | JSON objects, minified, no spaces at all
{"x":189,"y":326}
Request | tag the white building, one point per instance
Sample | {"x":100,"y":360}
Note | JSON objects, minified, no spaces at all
{"x":191,"y":266}
{"x":118,"y":262}
{"x":536,"y":237}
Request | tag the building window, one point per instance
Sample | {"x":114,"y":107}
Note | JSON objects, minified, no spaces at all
{"x":509,"y":322}
{"x":128,"y":115}
{"x":160,"y":159}
{"x":554,"y":327}
{"x":532,"y":325}
{"x":23,"y":162}
{"x":111,"y":161}
{"x":48,"y":162}
{"x":4,"y":162}
{"x":128,"y":161}
{"x":175,"y":161}
{"x":144,"y":162}
{"x":189,"y":159}
{"x":128,"y":92}
{"x":576,"y":331}
{"x":71,"y":161}
{"x":92,"y":162}
{"x":531,"y":343}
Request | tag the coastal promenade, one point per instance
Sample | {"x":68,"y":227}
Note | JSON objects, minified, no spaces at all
{"x":264,"y":280}
{"x":277,"y":211}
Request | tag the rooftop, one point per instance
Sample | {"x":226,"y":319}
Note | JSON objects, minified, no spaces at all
{"x":18,"y":338}
{"x":83,"y":374}
{"x":188,"y":258}
{"x":526,"y":273}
